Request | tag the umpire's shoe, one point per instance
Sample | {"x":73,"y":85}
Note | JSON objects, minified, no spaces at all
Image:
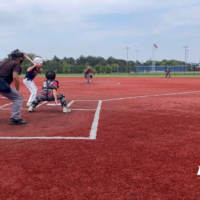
{"x":17,"y":121}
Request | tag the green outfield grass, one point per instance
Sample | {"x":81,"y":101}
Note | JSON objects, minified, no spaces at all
{"x":126,"y":75}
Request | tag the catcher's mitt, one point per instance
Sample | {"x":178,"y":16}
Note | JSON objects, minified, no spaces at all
{"x":91,"y":76}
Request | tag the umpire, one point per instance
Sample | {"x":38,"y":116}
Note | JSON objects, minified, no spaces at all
{"x":10,"y":70}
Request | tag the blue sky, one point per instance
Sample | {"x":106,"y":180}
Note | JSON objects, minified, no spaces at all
{"x":101,"y":28}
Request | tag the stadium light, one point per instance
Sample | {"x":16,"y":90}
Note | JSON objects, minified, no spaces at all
{"x":186,"y":52}
{"x":127,"y":48}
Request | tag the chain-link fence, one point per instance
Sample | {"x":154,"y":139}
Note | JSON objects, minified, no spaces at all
{"x":162,"y":70}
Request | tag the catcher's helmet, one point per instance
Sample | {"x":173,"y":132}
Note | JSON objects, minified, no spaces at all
{"x":38,"y":60}
{"x":17,"y":54}
{"x":51,"y":75}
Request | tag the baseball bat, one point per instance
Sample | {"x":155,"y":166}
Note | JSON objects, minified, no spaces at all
{"x":26,"y":56}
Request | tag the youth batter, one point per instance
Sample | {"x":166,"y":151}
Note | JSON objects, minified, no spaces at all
{"x":30,"y":75}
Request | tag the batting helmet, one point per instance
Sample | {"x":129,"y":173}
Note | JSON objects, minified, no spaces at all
{"x":50,"y":75}
{"x":38,"y":60}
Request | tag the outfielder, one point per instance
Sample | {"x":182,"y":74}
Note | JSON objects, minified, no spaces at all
{"x":49,"y":93}
{"x":30,"y":75}
{"x":167,"y":73}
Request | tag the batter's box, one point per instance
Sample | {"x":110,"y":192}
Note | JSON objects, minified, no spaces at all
{"x":56,"y":125}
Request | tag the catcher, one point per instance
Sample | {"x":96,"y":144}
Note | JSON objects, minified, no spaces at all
{"x":88,"y":74}
{"x":49,"y":93}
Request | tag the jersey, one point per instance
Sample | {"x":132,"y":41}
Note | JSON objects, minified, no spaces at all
{"x":87,"y":71}
{"x":7,"y":67}
{"x":32,"y":74}
{"x":167,"y":71}
{"x":49,"y":86}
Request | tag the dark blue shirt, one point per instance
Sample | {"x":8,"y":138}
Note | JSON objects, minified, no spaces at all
{"x":168,"y":71}
{"x":31,"y":75}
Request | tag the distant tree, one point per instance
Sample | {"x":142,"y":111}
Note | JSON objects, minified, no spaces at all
{"x":71,"y":61}
{"x":114,"y":68}
{"x":107,"y":68}
{"x":99,"y":68}
{"x":65,"y":68}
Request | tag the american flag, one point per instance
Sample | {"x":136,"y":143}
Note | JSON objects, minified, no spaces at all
{"x":155,"y":46}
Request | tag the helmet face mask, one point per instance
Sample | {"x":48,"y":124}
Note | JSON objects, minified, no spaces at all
{"x":50,"y":75}
{"x":21,"y":60}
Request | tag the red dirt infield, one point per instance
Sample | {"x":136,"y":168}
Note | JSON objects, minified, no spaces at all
{"x":145,"y":145}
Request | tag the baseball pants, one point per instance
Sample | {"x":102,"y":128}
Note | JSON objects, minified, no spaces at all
{"x":32,"y":88}
{"x":17,"y":100}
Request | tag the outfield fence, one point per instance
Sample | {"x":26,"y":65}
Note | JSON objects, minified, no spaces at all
{"x":161,"y":70}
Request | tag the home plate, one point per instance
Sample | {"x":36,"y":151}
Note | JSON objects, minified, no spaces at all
{"x":53,"y":104}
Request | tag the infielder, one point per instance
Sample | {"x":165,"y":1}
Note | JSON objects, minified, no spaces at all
{"x":88,"y":74}
{"x":30,"y":75}
{"x":49,"y":93}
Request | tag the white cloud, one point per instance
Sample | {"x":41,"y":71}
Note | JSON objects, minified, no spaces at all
{"x":63,"y":16}
{"x":179,"y":17}
{"x":76,"y":18}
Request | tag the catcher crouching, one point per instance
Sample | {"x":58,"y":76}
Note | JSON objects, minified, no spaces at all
{"x":49,"y":93}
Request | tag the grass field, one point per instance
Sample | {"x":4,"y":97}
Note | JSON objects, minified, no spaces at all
{"x":126,"y":75}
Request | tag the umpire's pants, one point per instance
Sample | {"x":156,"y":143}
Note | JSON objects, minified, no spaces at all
{"x":17,"y":100}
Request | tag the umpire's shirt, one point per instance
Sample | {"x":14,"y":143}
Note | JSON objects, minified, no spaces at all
{"x":7,"y":68}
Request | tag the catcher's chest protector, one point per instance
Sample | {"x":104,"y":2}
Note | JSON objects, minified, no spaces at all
{"x":50,"y":85}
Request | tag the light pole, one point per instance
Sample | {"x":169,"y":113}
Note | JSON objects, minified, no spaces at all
{"x":127,"y":48}
{"x":136,"y":57}
{"x":186,"y":51}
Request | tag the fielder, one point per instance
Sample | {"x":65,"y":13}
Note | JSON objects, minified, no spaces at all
{"x":88,"y":74}
{"x":167,"y":73}
{"x":30,"y":75}
{"x":49,"y":93}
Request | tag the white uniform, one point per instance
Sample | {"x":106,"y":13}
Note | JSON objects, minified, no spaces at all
{"x":28,"y":80}
{"x":32,"y":88}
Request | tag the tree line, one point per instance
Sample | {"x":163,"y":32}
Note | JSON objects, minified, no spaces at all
{"x":98,"y":64}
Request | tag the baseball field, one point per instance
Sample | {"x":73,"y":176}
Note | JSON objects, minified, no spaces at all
{"x":126,"y":138}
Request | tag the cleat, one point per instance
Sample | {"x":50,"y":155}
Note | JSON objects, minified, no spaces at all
{"x":17,"y":121}
{"x":66,"y":110}
{"x":28,"y":104}
{"x":30,"y":109}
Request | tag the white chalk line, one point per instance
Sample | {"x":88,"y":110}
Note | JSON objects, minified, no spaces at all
{"x":53,"y":104}
{"x":70,"y":109}
{"x":87,"y":100}
{"x":41,"y":104}
{"x":5,"y":105}
{"x":84,"y":109}
{"x":92,"y":136}
{"x":46,"y":138}
{"x":93,"y":132}
{"x":154,"y":95}
{"x":70,"y":103}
